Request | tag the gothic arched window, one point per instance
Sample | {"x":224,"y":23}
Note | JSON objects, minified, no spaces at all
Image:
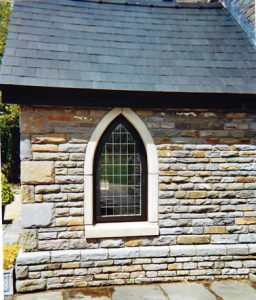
{"x":120,"y":175}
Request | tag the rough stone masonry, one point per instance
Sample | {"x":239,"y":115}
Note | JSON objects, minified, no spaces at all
{"x":207,"y":200}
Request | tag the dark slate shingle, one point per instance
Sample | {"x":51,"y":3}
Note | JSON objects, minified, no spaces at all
{"x":90,"y":45}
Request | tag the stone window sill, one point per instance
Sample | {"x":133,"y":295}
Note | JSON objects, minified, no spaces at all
{"x":125,"y":229}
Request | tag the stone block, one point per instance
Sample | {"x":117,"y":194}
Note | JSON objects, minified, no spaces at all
{"x":112,"y":243}
{"x":51,"y":138}
{"x":69,"y":179}
{"x":53,"y":245}
{"x":21,"y":272}
{"x":69,"y":221}
{"x":77,"y":156}
{"x":247,"y":238}
{"x":47,"y":189}
{"x":207,"y":250}
{"x":32,"y":123}
{"x":30,"y":285}
{"x":44,"y":148}
{"x":25,"y":147}
{"x":28,"y":240}
{"x":246,"y":221}
{"x":59,"y":197}
{"x":124,"y":253}
{"x":215,"y":229}
{"x":155,"y":251}
{"x":65,"y":256}
{"x":237,"y":249}
{"x":224,"y":238}
{"x":72,"y":148}
{"x":33,"y":258}
{"x":27,"y":194}
{"x":37,"y":172}
{"x":132,"y":268}
{"x":47,"y":235}
{"x":50,"y":156}
{"x":37,"y":214}
{"x":197,"y":194}
{"x":182,"y":250}
{"x":193,"y":239}
{"x":154,"y":267}
{"x":111,"y":269}
{"x":94,"y":254}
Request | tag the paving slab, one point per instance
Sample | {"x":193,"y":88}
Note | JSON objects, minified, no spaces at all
{"x":11,"y":232}
{"x":40,"y":296}
{"x":149,"y":292}
{"x":234,"y":290}
{"x":187,"y":291}
{"x":88,"y":294}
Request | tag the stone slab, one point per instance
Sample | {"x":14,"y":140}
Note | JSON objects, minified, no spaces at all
{"x":37,"y":214}
{"x":11,"y":232}
{"x":187,"y":291}
{"x":41,"y":296}
{"x":148,"y":292}
{"x":36,"y":172}
{"x":234,"y":290}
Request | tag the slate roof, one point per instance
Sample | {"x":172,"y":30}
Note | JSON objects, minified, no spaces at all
{"x":113,"y":46}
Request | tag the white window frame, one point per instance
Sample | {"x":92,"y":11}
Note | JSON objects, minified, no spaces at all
{"x":122,"y":229}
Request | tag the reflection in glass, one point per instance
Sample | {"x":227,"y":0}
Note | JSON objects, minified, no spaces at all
{"x":120,"y":175}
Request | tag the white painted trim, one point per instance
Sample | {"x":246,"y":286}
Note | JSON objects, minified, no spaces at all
{"x":124,"y":229}
{"x":97,"y":133}
{"x":152,"y":161}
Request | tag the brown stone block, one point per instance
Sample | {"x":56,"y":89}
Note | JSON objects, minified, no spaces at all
{"x":180,"y":194}
{"x":236,"y":115}
{"x":133,"y":243}
{"x":247,"y":153}
{"x":212,"y":141}
{"x":44,"y":148}
{"x":71,"y":265}
{"x":54,"y":138}
{"x":246,"y":179}
{"x":190,"y":133}
{"x":164,"y":153}
{"x":168,"y":173}
{"x":229,"y":141}
{"x":197,"y":194}
{"x":27,"y":194}
{"x":246,"y":221}
{"x":198,"y":154}
{"x":69,"y":221}
{"x":172,"y":266}
{"x":34,"y":172}
{"x":176,"y":147}
{"x":32,"y":123}
{"x":162,"y":140}
{"x":193,"y":239}
{"x":215,"y":229}
{"x":59,"y":118}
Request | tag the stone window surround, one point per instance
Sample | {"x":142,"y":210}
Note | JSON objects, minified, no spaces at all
{"x":124,"y":229}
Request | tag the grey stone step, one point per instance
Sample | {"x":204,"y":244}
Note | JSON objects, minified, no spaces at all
{"x":234,"y":290}
{"x":187,"y":291}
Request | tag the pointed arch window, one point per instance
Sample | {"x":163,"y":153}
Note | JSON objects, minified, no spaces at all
{"x":120,"y":176}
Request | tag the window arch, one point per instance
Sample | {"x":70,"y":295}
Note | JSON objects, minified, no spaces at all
{"x":104,"y":228}
{"x":120,"y":175}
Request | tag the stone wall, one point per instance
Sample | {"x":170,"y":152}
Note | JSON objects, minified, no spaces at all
{"x":207,"y":168}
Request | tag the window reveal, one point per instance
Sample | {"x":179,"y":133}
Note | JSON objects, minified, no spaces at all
{"x":120,"y":181}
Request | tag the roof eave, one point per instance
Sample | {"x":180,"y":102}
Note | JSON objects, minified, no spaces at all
{"x":32,"y":95}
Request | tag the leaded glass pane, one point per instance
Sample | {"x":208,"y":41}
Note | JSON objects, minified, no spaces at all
{"x":119,"y":169}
